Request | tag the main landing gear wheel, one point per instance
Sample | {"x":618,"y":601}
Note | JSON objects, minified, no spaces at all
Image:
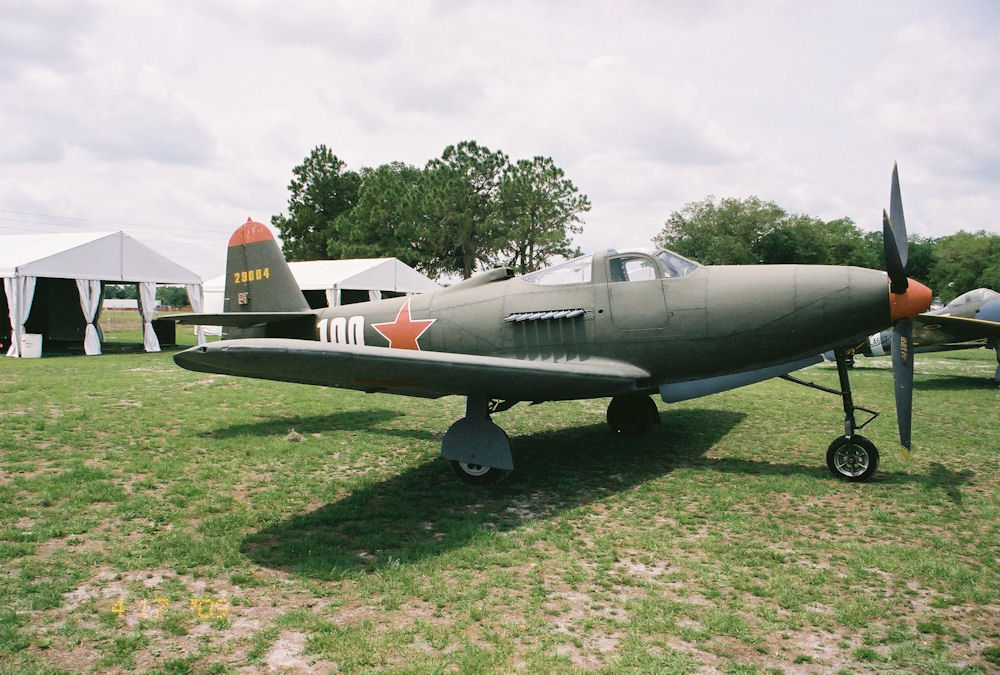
{"x":852,"y":458}
{"x":632,"y":415}
{"x":478,"y":449}
{"x":477,"y":474}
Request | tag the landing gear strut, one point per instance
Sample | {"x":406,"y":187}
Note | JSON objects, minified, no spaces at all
{"x":851,"y":457}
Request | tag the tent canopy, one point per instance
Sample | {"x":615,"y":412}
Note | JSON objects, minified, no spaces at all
{"x":377,"y":274}
{"x":44,"y":262}
{"x":381,"y":274}
{"x":333,"y":276}
{"x":103,"y":256}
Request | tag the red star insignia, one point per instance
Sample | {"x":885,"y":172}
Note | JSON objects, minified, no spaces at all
{"x":404,"y":331}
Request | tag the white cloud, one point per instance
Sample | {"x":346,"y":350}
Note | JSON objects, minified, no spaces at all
{"x":187,"y":117}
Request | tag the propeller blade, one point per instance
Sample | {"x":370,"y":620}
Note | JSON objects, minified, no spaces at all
{"x":896,"y":218}
{"x":902,"y":376}
{"x":894,"y":241}
{"x":894,"y":264}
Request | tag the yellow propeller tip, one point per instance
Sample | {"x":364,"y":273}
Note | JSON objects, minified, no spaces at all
{"x":906,"y":452}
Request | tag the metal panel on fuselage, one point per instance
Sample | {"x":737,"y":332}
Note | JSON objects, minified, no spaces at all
{"x":537,"y":330}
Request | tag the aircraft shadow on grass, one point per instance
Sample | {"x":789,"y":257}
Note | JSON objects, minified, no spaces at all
{"x":955,"y":383}
{"x":321,"y":424}
{"x":423,"y":512}
{"x":941,"y":382}
{"x":941,"y":477}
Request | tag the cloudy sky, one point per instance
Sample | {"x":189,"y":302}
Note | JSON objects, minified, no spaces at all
{"x":176,"y":121}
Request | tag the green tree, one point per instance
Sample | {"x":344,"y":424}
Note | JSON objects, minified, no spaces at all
{"x":990,"y":278}
{"x":964,"y":261}
{"x":461,"y":204}
{"x":121,"y":291}
{"x":810,"y":241}
{"x":721,"y":232}
{"x":465,"y":210}
{"x":733,"y":231}
{"x":388,"y":219}
{"x":540,"y":209}
{"x":172,"y":296}
{"x":920,"y":259}
{"x":321,"y":191}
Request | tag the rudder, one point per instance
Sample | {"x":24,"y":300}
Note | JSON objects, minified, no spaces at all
{"x":258,"y":279}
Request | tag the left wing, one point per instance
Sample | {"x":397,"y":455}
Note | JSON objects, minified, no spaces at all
{"x":935,"y":329}
{"x":414,"y":373}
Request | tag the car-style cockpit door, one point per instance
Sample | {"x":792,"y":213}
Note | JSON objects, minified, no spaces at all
{"x":635,"y":292}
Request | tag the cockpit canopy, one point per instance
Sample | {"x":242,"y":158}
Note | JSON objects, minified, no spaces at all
{"x":979,"y":294}
{"x":575,"y":271}
{"x":625,"y":266}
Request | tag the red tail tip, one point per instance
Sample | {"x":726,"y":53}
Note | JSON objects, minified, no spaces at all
{"x":249,"y":233}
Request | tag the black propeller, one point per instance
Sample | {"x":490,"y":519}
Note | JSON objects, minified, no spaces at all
{"x":897,"y":250}
{"x":896,"y":255}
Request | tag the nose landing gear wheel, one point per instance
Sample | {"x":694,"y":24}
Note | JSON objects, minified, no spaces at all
{"x":853,"y":458}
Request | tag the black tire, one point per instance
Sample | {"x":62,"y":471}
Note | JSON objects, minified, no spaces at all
{"x":632,"y":415}
{"x":477,"y":474}
{"x":853,"y":458}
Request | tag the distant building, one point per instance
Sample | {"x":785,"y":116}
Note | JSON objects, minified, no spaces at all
{"x":122,"y":304}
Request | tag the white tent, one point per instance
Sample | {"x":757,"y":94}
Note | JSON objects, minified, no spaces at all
{"x":372,"y":275}
{"x":88,"y":258}
{"x":375,"y":275}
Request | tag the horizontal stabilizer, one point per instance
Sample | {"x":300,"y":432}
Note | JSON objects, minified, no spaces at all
{"x":414,"y":373}
{"x":238,"y":319}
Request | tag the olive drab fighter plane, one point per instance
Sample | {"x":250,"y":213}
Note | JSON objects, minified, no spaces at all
{"x":623,"y":325}
{"x":969,"y":321}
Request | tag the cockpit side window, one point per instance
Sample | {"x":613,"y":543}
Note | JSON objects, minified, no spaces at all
{"x":674,"y":265}
{"x":631,"y":268}
{"x":575,"y":271}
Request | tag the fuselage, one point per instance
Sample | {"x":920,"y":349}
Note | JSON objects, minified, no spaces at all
{"x":677,"y":324}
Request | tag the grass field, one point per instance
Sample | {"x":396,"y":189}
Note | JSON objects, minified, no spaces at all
{"x":154,"y":519}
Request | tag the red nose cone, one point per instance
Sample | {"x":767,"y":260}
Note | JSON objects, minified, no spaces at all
{"x":916,"y":299}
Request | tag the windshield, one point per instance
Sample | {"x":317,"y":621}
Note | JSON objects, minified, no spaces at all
{"x":674,"y":265}
{"x":575,"y":271}
{"x":578,"y":270}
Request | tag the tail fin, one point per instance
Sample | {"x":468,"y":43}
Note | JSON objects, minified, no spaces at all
{"x":259,"y":282}
{"x":257,"y":277}
{"x":262,"y":298}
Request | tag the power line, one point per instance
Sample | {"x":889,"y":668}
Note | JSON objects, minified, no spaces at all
{"x":21,"y":222}
{"x":5,"y":214}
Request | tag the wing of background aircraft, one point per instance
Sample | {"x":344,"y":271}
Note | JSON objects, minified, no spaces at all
{"x":940,"y":329}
